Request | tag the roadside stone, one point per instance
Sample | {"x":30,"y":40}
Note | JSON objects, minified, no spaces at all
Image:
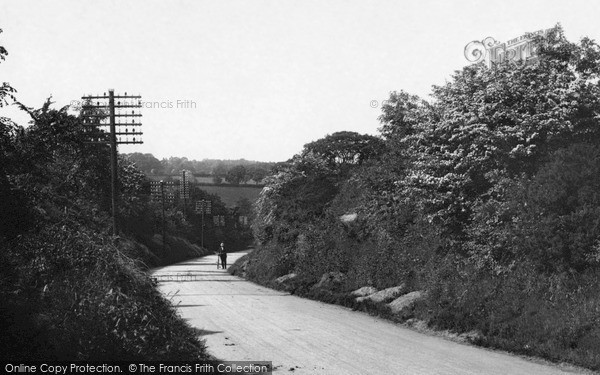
{"x":286,"y":282}
{"x":403,"y":305}
{"x":471,"y":336}
{"x":348,"y":218}
{"x":418,"y":324}
{"x":384,"y":295}
{"x":286,"y":278}
{"x":330,"y":280}
{"x":364,"y":291}
{"x":244,"y":268}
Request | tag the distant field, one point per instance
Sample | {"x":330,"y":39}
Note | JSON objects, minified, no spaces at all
{"x":232,"y":194}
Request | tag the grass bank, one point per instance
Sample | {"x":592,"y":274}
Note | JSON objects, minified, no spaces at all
{"x":555,"y":318}
{"x":69,"y":293}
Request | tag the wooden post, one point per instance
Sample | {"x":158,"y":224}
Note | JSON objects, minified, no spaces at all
{"x":113,"y":159}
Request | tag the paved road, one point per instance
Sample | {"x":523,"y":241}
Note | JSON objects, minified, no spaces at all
{"x":243,"y":321}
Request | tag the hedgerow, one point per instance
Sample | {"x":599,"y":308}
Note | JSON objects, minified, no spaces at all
{"x":485,"y":197}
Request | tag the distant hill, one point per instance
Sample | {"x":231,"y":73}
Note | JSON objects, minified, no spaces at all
{"x":231,"y":180}
{"x":241,"y":170}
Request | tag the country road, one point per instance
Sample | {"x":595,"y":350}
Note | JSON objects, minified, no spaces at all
{"x":243,"y":321}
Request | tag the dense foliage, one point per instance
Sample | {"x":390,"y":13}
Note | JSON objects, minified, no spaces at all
{"x":69,"y":290}
{"x":231,"y":171}
{"x":485,"y":196}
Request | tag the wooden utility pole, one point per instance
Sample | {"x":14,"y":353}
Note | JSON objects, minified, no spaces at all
{"x":184,"y":190}
{"x":162,"y":191}
{"x":94,"y":115}
{"x":162,"y":198}
{"x":203,"y":207}
{"x":113,"y":159}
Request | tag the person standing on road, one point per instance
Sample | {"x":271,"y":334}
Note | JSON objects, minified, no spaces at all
{"x":223,"y":255}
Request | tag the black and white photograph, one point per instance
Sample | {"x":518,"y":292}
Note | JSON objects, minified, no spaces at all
{"x":335,"y":187}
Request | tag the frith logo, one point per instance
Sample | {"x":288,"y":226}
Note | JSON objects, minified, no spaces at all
{"x":521,"y":49}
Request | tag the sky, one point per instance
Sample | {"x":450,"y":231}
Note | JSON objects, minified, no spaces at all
{"x":255,"y":79}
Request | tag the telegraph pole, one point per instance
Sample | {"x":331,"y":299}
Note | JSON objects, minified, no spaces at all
{"x":92,"y":116}
{"x":162,"y":191}
{"x":162,"y":198}
{"x":185,"y":191}
{"x":203,"y":207}
{"x":113,"y":159}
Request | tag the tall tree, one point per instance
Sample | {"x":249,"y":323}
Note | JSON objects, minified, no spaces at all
{"x":237,"y":175}
{"x":146,"y":162}
{"x":486,"y":125}
{"x":6,"y":90}
{"x":345,"y":148}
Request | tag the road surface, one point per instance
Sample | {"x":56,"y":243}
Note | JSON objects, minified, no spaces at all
{"x":243,"y":321}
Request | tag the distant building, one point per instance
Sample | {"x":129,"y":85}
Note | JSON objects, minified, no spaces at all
{"x":229,"y":194}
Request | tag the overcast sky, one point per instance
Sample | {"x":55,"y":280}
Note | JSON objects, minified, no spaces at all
{"x":255,"y":79}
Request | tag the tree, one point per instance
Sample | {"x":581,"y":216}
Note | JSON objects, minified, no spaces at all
{"x":551,"y":220}
{"x":244,"y":207}
{"x":13,"y":204}
{"x":486,"y":196}
{"x":57,"y":166}
{"x":343,"y":149}
{"x":401,"y":115}
{"x":6,"y":90}
{"x":147,"y":163}
{"x":220,"y":170}
{"x":489,"y":124}
{"x":175,"y":165}
{"x":257,"y":172}
{"x":237,"y":175}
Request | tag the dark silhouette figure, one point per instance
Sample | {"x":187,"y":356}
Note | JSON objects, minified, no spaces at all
{"x":223,"y":255}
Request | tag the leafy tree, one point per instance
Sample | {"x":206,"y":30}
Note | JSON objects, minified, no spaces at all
{"x":244,"y":207}
{"x":490,"y":124}
{"x":402,"y":113}
{"x":257,"y":172}
{"x":175,"y":165}
{"x":68,"y":291}
{"x":551,"y":220}
{"x":6,"y":90}
{"x":12,"y":204}
{"x":146,"y":162}
{"x":220,"y":170}
{"x":237,"y":175}
{"x":343,"y":149}
{"x":303,"y":188}
{"x":486,"y":197}
{"x":15,"y":209}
